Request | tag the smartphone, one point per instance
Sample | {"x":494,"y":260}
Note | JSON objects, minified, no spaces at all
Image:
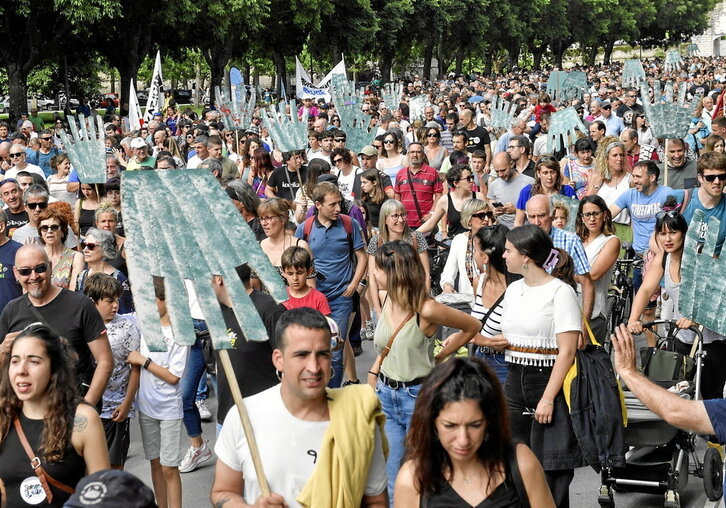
{"x":497,"y":204}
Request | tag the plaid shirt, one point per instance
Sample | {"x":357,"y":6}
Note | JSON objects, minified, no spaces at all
{"x":571,"y":243}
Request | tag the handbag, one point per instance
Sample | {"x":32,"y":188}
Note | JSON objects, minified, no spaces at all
{"x":37,"y":466}
{"x":667,"y":365}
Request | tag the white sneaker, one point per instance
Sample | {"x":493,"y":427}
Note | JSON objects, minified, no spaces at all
{"x":194,"y":457}
{"x":204,"y":411}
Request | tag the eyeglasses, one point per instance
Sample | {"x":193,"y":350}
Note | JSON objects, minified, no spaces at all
{"x":89,"y":246}
{"x":398,"y":216}
{"x":52,"y":227}
{"x":13,"y":155}
{"x":667,"y":213}
{"x":468,"y":179}
{"x":33,"y":206}
{"x":45,"y":139}
{"x":483,"y":215}
{"x":41,"y":268}
{"x":587,"y":215}
{"x":712,"y":178}
{"x":268,"y":219}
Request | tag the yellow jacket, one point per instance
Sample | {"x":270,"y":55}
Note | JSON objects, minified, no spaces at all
{"x":346,"y":452}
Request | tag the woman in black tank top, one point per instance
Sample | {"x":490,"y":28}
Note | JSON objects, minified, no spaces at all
{"x":43,"y":417}
{"x":459,"y":451}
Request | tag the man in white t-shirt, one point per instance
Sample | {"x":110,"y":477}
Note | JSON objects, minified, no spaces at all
{"x":18,"y":158}
{"x":290,"y":422}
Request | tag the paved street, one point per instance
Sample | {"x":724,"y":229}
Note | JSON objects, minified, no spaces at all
{"x":584,"y":489}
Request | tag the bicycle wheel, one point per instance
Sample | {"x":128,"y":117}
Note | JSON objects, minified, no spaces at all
{"x":610,"y":310}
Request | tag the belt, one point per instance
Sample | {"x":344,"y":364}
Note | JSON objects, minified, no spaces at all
{"x":392,"y":383}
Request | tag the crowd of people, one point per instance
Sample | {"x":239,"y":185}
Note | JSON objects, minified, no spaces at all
{"x":355,"y":237}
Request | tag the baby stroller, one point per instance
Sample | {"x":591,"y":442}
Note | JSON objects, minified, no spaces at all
{"x":657,"y":454}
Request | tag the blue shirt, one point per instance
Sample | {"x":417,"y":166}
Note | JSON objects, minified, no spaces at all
{"x":526,"y":193}
{"x":9,"y":287}
{"x":717,"y":212}
{"x":571,"y":243}
{"x":643,"y":209}
{"x":331,"y":252}
{"x":43,"y":160}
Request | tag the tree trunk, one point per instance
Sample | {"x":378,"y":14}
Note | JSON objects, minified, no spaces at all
{"x":428,"y":56}
{"x":127,"y":74}
{"x":513,"y":51}
{"x":609,"y":46}
{"x":217,"y":58}
{"x":281,"y":72}
{"x":537,"y":54}
{"x":488,"y":62}
{"x":197,"y":82}
{"x":592,"y":55}
{"x":247,"y":73}
{"x":18,"y":88}
{"x":459,"y":61}
{"x":386,"y":66}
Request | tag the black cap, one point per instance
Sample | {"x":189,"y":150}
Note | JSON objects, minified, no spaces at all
{"x":111,"y":488}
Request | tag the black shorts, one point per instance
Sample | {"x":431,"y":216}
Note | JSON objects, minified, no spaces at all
{"x":118,"y":437}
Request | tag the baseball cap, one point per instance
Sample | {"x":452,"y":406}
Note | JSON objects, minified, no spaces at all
{"x":606,"y":105}
{"x":138,"y":143}
{"x":368,"y":151}
{"x":253,"y":129}
{"x":111,"y":488}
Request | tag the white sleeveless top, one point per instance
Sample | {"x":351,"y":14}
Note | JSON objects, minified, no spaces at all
{"x":593,"y":250}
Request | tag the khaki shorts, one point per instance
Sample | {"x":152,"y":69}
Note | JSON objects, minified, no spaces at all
{"x":161,"y":439}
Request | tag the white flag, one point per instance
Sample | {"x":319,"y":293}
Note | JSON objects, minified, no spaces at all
{"x":134,"y":109}
{"x":154,"y":102}
{"x":338,"y":69}
{"x":304,"y":88}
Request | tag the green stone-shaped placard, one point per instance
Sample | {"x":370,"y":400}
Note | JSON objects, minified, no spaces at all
{"x":86,"y":149}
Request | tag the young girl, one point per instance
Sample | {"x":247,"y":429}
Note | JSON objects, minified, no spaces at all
{"x":561,"y":215}
{"x":372,"y":194}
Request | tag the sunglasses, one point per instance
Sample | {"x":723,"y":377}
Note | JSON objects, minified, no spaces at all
{"x":670,"y":213}
{"x":46,"y":139}
{"x":45,"y":228}
{"x":712,"y":178}
{"x":41,"y":268}
{"x":483,"y":215}
{"x":337,"y":161}
{"x":33,"y":206}
{"x":89,"y":246}
{"x":468,"y":179}
{"x":432,"y":135}
{"x":13,"y":155}
{"x":339,"y":140}
{"x":587,"y":215}
{"x":389,"y":142}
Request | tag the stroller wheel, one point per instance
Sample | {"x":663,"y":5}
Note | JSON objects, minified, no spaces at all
{"x":712,"y":479}
{"x":672,"y":500}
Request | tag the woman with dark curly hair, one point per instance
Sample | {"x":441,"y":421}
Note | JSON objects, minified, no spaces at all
{"x":459,"y":451}
{"x":44,"y":422}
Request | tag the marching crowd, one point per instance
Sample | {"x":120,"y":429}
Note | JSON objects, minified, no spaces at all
{"x":439,"y":202}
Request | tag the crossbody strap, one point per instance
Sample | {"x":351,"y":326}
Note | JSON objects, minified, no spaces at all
{"x":491,"y":309}
{"x":387,"y":349}
{"x":413,"y":191}
{"x":35,"y":463}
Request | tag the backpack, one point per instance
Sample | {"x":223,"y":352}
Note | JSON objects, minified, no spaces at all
{"x":347,"y":225}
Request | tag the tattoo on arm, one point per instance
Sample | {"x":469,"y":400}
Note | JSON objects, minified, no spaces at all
{"x":80,"y":423}
{"x":221,"y":502}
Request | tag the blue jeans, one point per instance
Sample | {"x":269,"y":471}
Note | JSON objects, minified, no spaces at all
{"x":496,"y":362}
{"x":398,"y":407}
{"x":340,"y":310}
{"x":190,"y":382}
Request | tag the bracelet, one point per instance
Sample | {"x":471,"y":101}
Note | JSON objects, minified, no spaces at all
{"x":146,"y":363}
{"x":547,"y":402}
{"x":373,"y":373}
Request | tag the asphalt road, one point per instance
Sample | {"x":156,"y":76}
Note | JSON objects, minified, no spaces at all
{"x":583,"y":491}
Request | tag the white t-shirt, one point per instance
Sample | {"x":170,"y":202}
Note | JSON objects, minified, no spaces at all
{"x":610,"y":194}
{"x":157,"y":398}
{"x":194,"y":162}
{"x":30,"y":168}
{"x":288,"y":448}
{"x":345,"y":183}
{"x":550,"y":309}
{"x":320,"y":155}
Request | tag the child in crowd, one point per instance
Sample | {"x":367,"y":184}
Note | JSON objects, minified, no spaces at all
{"x":560,"y":216}
{"x":124,"y":336}
{"x":297,"y":266}
{"x":160,"y":407}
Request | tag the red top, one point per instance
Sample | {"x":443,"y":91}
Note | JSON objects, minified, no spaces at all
{"x":314,"y":299}
{"x":426,"y":183}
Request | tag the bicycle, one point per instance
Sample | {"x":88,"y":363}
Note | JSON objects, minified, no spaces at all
{"x":620,"y":294}
{"x":438,"y":254}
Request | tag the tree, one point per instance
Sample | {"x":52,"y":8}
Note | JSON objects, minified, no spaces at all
{"x":33,"y":27}
{"x":348,"y":29}
{"x":675,"y":21}
{"x":394,"y":22}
